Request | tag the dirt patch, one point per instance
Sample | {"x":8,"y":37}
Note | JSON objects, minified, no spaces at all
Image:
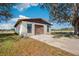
{"x":34,"y":47}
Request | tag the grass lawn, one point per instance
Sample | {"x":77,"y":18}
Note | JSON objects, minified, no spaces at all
{"x":13,"y":45}
{"x":60,"y":34}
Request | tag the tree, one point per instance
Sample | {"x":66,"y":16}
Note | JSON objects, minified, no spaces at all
{"x":64,"y":12}
{"x":5,"y":11}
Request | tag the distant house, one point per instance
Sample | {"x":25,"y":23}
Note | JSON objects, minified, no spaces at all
{"x":32,"y":27}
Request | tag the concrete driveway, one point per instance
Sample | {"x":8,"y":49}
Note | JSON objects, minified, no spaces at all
{"x":70,"y":45}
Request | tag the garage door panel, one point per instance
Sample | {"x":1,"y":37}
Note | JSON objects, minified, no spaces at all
{"x":39,"y":29}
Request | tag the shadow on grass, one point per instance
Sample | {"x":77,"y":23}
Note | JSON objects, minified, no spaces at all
{"x":2,"y":35}
{"x":64,"y":34}
{"x":8,"y":36}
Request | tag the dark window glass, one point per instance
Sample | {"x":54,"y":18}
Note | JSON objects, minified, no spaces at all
{"x":29,"y":28}
{"x":47,"y":28}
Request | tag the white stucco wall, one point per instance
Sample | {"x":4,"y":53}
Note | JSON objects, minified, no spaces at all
{"x":23,"y":28}
{"x":17,"y":29}
{"x":45,"y":29}
{"x":20,"y":29}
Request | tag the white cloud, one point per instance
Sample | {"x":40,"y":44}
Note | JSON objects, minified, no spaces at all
{"x":23,"y":6}
{"x":33,"y":4}
{"x":6,"y":26}
{"x":16,"y":19}
{"x":23,"y":17}
{"x":10,"y":24}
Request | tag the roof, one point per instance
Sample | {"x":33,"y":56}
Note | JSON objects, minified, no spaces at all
{"x":36,"y":20}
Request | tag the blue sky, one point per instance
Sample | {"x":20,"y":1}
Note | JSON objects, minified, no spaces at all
{"x":30,"y":11}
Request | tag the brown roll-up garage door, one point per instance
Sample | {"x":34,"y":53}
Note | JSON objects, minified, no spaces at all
{"x":39,"y":29}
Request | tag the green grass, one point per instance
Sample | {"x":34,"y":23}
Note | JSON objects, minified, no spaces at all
{"x":6,"y":48}
{"x":59,"y":34}
{"x":13,"y":45}
{"x":6,"y":43}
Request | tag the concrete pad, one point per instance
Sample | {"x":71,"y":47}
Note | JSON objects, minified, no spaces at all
{"x":70,"y":45}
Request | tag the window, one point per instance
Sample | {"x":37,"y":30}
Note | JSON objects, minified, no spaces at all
{"x":29,"y":28}
{"x":47,"y":28}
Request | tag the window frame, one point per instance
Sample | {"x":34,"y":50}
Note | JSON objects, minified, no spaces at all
{"x":29,"y":29}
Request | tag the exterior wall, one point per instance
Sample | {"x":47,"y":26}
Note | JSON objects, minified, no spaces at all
{"x":21,"y":29}
{"x":33,"y":28}
{"x":25,"y":28}
{"x":49,"y":30}
{"x":45,"y":29}
{"x":17,"y":29}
